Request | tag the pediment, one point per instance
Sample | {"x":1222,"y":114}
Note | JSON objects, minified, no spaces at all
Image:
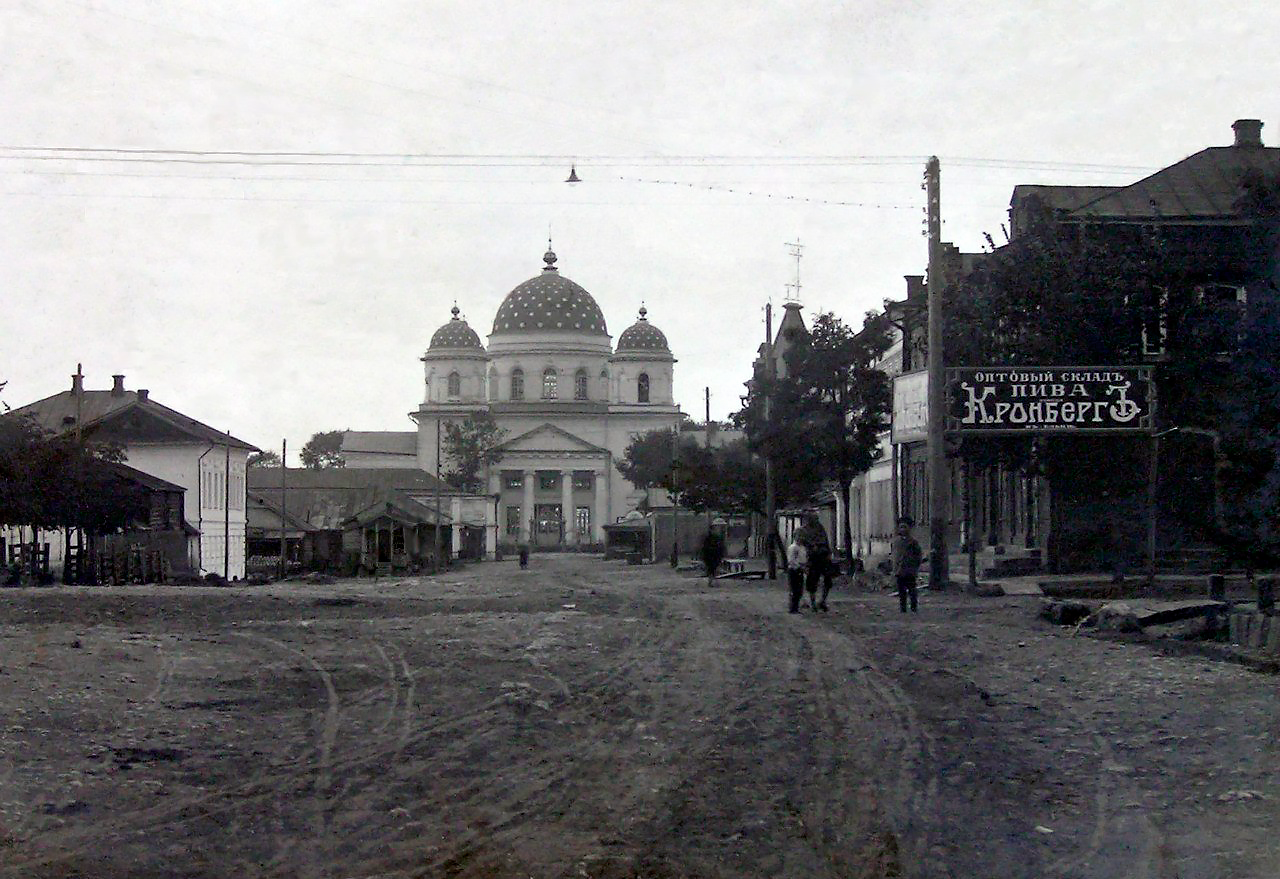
{"x":548,"y":437}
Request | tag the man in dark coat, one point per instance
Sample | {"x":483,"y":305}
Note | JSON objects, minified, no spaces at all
{"x":813,"y":537}
{"x":907,"y":556}
{"x":712,"y":553}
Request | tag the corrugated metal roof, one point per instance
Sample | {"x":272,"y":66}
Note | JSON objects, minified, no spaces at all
{"x":1202,"y":186}
{"x":392,"y":442}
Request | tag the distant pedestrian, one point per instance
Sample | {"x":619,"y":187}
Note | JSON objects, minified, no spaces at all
{"x":797,"y":563}
{"x":712,"y":553}
{"x":523,"y":550}
{"x":907,"y":556}
{"x":813,"y":537}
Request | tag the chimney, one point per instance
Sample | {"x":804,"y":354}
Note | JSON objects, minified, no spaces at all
{"x":915,"y":285}
{"x":1248,"y":132}
{"x":117,"y":387}
{"x":77,"y":383}
{"x":143,"y":395}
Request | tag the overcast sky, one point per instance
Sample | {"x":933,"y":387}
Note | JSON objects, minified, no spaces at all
{"x":284,"y":296}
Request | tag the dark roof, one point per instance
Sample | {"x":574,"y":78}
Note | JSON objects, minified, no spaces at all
{"x":1058,"y":198}
{"x":327,"y":498}
{"x":387,"y":442}
{"x":642,"y":337}
{"x":263,"y":515}
{"x":399,"y":508}
{"x":1204,"y":186}
{"x":549,"y":302}
{"x":146,"y":480}
{"x":57,"y":414}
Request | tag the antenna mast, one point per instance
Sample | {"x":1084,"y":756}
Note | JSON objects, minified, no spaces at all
{"x":796,"y":249}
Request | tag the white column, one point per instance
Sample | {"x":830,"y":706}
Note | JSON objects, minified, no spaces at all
{"x":566,"y":507}
{"x":600,"y":511}
{"x":493,"y":510}
{"x":455,"y":512}
{"x":526,"y":505}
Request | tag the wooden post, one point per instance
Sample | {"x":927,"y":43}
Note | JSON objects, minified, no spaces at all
{"x":284,"y":500}
{"x":938,"y":477}
{"x":435,"y":567}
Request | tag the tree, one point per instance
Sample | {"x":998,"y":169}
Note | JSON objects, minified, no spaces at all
{"x":842,"y":402}
{"x":826,"y":416}
{"x":323,"y":450}
{"x":728,"y":479}
{"x":647,"y":462}
{"x":63,"y":481}
{"x":471,"y":446}
{"x":264,"y":459}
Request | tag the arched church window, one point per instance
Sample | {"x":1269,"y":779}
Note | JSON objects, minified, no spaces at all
{"x":517,"y":384}
{"x":455,"y":384}
{"x":642,"y":388}
{"x":580,"y":385}
{"x":549,"y":383}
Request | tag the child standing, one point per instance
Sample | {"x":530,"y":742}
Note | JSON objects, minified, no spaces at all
{"x":907,"y":556}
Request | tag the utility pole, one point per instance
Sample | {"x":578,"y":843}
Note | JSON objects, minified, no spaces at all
{"x":708,"y":446}
{"x":675,"y":503}
{"x":284,"y":499}
{"x":769,"y":499}
{"x":938,"y":485}
{"x":435,"y":567}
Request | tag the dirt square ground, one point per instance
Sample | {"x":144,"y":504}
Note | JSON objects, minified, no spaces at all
{"x":591,"y":719}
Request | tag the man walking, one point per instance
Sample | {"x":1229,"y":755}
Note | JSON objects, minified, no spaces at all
{"x":712,"y":553}
{"x":813,"y":537}
{"x":906,"y":563}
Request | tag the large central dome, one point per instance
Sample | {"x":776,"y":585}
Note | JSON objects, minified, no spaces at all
{"x":549,"y":302}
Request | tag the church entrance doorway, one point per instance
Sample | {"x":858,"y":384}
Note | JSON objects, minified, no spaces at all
{"x":548,"y":525}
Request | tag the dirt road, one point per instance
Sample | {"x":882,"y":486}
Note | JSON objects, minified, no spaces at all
{"x":590,"y":719}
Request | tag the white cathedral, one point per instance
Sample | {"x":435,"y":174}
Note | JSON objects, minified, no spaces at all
{"x":569,"y":401}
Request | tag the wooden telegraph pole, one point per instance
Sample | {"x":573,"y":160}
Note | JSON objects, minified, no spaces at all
{"x":938,"y":483}
{"x":675,"y":502}
{"x":284,"y":502}
{"x":436,"y":565}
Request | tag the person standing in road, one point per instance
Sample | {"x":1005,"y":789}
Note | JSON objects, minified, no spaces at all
{"x":813,"y":537}
{"x":907,"y":556}
{"x":712,"y":553}
{"x":797,"y":562}
{"x":523,"y":549}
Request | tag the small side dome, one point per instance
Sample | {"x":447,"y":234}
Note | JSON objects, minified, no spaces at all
{"x":455,"y":334}
{"x":642,"y":337}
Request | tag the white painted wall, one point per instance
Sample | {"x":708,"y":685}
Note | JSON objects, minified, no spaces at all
{"x":214,"y":495}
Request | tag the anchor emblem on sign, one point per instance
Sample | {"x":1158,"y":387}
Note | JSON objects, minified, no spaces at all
{"x":1122,"y":409}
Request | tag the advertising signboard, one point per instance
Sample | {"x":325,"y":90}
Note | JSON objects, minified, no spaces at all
{"x":1050,"y":399}
{"x":910,"y":407}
